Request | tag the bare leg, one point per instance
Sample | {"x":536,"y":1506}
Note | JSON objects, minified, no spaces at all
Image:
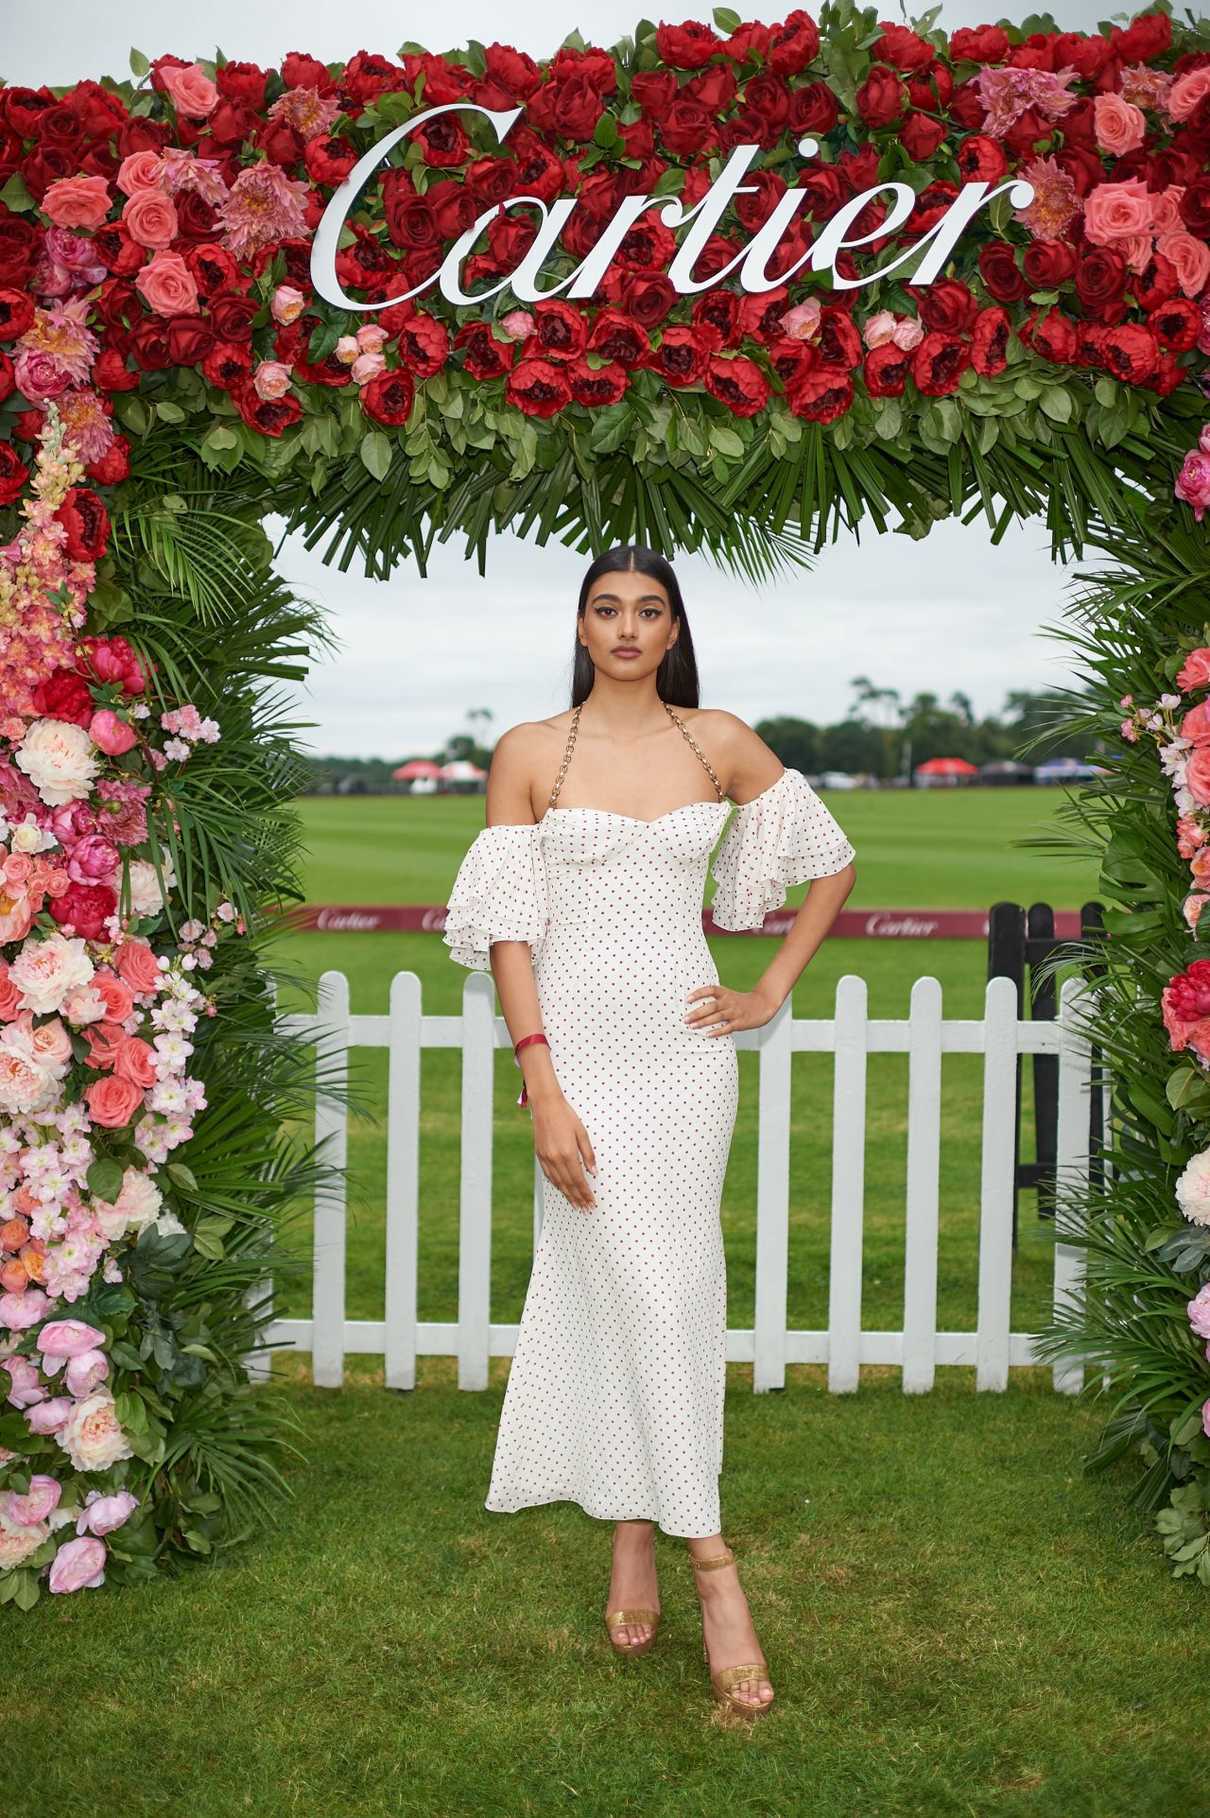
{"x":726,"y":1620}
{"x":633,"y":1584}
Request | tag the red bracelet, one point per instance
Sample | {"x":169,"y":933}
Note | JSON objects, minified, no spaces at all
{"x":539,"y":1036}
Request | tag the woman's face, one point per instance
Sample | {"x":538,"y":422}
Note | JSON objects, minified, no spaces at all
{"x":627,"y":611}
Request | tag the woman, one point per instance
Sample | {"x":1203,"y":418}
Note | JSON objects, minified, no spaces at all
{"x":589,"y":916}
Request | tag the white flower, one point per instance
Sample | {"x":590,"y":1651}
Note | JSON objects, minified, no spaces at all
{"x":138,"y":1202}
{"x":91,"y":1435}
{"x":59,"y":759}
{"x":46,"y":971}
{"x":1193,"y":1189}
{"x":27,"y":836}
{"x":146,"y":897}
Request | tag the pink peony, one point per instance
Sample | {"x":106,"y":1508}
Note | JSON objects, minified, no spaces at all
{"x":61,"y":1338}
{"x":78,"y":1566}
{"x":1193,"y":482}
{"x":111,"y":734}
{"x":19,"y":1311}
{"x":1194,"y":672}
{"x":41,"y":1497}
{"x":101,"y":1514}
{"x":92,"y":1436}
{"x":1198,"y":1310}
{"x":1119,"y":125}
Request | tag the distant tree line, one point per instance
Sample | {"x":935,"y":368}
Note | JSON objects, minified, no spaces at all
{"x":882,"y":735}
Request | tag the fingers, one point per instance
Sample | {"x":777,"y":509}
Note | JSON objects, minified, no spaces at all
{"x":566,"y":1172}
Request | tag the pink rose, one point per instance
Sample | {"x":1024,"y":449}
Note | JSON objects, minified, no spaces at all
{"x":168,"y":285}
{"x":1193,"y":482}
{"x":77,"y":201}
{"x":1186,"y":92}
{"x":1113,"y":211}
{"x":1197,"y":774}
{"x":1136,"y":249}
{"x":1191,"y":258}
{"x":40,"y":375}
{"x":287,"y":304}
{"x":141,"y":170}
{"x":878,"y":329}
{"x":367,"y":366}
{"x":1198,"y":1310}
{"x":1195,"y":724}
{"x":271,"y":380}
{"x":83,"y":1373}
{"x":1194,"y":672}
{"x":371,"y":337}
{"x":79,"y":1565}
{"x":112,"y":1102}
{"x":909,"y":333}
{"x":137,"y":967}
{"x":1192,"y":908}
{"x":135,"y":1062}
{"x":67,"y":1338}
{"x":113,"y":735}
{"x":51,"y":1045}
{"x":26,"y":1384}
{"x":150,"y":218}
{"x":191,"y":91}
{"x":1119,"y":125}
{"x":117,"y":996}
{"x":802,"y":322}
{"x":1166,"y":211}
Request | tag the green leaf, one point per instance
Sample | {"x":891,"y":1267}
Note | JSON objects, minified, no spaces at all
{"x":139,"y":65}
{"x":376,"y":452}
{"x":726,"y":441}
{"x":605,"y":133}
{"x":14,"y":195}
{"x":104,"y":1178}
{"x":182,"y":1176}
{"x":1056,"y":402}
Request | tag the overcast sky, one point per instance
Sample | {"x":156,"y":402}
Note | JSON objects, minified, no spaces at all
{"x":949,"y":613}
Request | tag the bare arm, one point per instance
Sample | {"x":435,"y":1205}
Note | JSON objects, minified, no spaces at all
{"x":561,"y":1142}
{"x":752,"y":768}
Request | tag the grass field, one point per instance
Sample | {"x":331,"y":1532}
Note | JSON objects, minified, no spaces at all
{"x":958,"y":1621}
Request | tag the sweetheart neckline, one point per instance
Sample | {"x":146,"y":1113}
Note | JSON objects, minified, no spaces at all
{"x":636,"y":819}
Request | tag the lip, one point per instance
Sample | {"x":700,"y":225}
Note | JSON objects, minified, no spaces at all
{"x":625,"y":650}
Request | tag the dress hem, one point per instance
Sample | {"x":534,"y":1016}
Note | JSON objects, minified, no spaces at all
{"x":541,"y":1502}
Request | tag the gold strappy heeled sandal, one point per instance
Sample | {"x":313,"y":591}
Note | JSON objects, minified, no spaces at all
{"x":620,"y":1619}
{"x":727,"y":1678}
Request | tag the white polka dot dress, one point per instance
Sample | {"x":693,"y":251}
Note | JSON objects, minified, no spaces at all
{"x":614,"y":1397}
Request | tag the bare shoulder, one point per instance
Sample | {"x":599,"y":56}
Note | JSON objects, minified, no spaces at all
{"x":521,"y":758}
{"x":744,"y":762}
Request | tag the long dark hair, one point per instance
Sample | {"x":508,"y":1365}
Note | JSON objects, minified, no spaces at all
{"x":676,"y":678}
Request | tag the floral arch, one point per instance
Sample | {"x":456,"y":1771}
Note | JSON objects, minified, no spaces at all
{"x":170,"y":374}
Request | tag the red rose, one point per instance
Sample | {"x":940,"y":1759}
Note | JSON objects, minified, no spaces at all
{"x":1101,"y":280}
{"x":989,"y":341}
{"x":16,"y":314}
{"x":113,"y":465}
{"x":1176,"y":324}
{"x":1053,"y":335}
{"x":920,"y":137}
{"x":938,"y":362}
{"x":388,"y":397}
{"x":20,"y":243}
{"x":189,"y":340}
{"x":86,"y":907}
{"x":1156,"y":283}
{"x":537,"y":387}
{"x":793,"y":44}
{"x":616,"y":336}
{"x":966,"y":108}
{"x":981,"y":160}
{"x":424,"y":344}
{"x":979,"y":44}
{"x":931,"y":204}
{"x":813,"y":109}
{"x":64,"y":695}
{"x":998,"y":269}
{"x":13,"y":474}
{"x":268,"y":416}
{"x":686,"y":46}
{"x":902,"y":47}
{"x":486,"y":358}
{"x":885,"y":370}
{"x":827,"y":189}
{"x":1130,"y":352}
{"x":1194,"y":206}
{"x":148,"y":344}
{"x":880,"y":98}
{"x":231,"y":315}
{"x":948,"y":305}
{"x":820,"y":394}
{"x":649,"y":297}
{"x":1048,"y":263}
{"x":86,"y":522}
{"x":111,"y":373}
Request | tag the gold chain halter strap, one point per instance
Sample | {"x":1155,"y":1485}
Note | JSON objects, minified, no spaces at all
{"x":571,"y":739}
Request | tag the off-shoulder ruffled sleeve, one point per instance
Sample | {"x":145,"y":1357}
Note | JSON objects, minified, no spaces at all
{"x":781,"y":837}
{"x":499,"y":894}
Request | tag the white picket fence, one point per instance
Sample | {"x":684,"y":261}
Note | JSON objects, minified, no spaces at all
{"x":851,"y":1035}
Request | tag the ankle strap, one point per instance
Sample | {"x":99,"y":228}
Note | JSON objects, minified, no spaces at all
{"x":715,"y":1560}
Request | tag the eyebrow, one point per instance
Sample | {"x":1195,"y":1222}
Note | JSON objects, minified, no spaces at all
{"x":658,"y":598}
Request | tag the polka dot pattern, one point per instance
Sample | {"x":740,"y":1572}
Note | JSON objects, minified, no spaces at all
{"x":615,"y":1393}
